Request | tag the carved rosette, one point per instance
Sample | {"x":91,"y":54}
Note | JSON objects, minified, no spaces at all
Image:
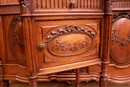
{"x":24,"y":6}
{"x":108,"y":6}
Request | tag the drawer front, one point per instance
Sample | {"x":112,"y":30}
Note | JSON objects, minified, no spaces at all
{"x":67,"y":41}
{"x":67,"y":5}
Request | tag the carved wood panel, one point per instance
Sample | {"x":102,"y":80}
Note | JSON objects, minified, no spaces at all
{"x":13,"y":39}
{"x":120,"y":38}
{"x":119,"y":49}
{"x":16,"y":41}
{"x":67,"y":41}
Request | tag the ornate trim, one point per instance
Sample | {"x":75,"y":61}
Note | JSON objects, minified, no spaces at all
{"x":17,"y":40}
{"x":16,"y":20}
{"x":65,"y":46}
{"x":10,"y":9}
{"x":126,"y":61}
{"x":108,"y":6}
{"x":118,"y":15}
{"x":119,"y":66}
{"x":24,"y":5}
{"x":15,"y":36}
{"x":115,"y":38}
{"x":119,"y":79}
{"x":69,"y":29}
{"x":82,"y":70}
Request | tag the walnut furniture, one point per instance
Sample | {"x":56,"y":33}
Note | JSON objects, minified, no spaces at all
{"x":65,"y":40}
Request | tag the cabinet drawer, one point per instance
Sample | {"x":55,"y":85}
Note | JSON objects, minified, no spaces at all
{"x":67,"y":41}
{"x":67,"y":5}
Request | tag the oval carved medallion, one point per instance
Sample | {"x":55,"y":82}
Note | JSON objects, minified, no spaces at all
{"x":16,"y":41}
{"x":120,"y":41}
{"x":70,"y":41}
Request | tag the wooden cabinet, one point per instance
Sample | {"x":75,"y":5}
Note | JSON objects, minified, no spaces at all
{"x":61,"y":42}
{"x":64,"y":40}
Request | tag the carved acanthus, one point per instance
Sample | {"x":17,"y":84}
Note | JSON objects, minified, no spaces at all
{"x":119,"y":15}
{"x":70,"y":29}
{"x":65,"y":46}
{"x":108,"y":6}
{"x":24,"y":5}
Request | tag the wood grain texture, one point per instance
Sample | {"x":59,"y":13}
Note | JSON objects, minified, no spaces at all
{"x":72,"y":49}
{"x":55,"y":37}
{"x":64,"y":4}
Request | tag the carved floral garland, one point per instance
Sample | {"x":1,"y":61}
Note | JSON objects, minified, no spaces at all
{"x":17,"y":40}
{"x":65,"y":46}
{"x":115,"y":38}
{"x":70,"y":29}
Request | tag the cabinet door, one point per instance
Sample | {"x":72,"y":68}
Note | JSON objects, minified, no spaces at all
{"x":62,"y":42}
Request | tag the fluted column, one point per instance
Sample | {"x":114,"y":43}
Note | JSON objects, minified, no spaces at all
{"x":27,"y":26}
{"x":107,"y":24}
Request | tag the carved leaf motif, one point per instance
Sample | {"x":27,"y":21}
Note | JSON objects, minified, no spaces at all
{"x":17,"y":40}
{"x":115,"y":38}
{"x":108,"y":6}
{"x":65,"y":46}
{"x":24,"y":5}
{"x":118,"y":15}
{"x":70,"y":29}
